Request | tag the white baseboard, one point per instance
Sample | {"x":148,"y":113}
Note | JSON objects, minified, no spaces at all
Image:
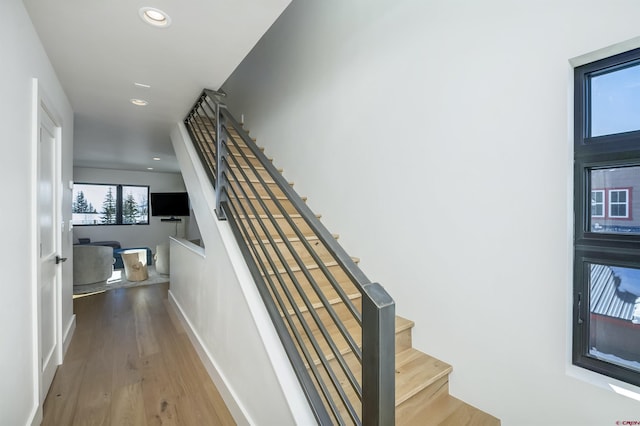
{"x":35,"y":416}
{"x":68,"y":335}
{"x":237,"y":411}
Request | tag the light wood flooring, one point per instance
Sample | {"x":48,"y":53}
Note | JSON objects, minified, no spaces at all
{"x":130,"y":362}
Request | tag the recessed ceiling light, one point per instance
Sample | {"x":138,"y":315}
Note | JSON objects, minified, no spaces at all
{"x":146,"y":86}
{"x":139,"y":102}
{"x":156,"y":158}
{"x":155,"y":17}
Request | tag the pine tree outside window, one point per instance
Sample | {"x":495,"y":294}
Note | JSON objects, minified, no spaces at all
{"x":117,"y":204}
{"x":108,"y":208}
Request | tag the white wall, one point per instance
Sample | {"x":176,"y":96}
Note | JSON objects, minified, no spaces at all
{"x":156,"y":232}
{"x":23,"y":58}
{"x":435,"y":138}
{"x":214,"y":291}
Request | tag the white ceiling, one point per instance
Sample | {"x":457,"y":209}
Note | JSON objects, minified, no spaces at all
{"x":100,"y":48}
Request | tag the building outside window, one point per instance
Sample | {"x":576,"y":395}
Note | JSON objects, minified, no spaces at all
{"x":597,"y":203}
{"x":618,"y":203}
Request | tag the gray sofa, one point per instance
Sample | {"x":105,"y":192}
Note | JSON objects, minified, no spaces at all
{"x":87,"y":241}
{"x":92,"y":264}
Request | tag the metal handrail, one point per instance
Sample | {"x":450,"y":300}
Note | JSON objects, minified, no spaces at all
{"x":217,"y":137}
{"x":312,"y":221}
{"x":318,"y":261}
{"x":334,"y":350}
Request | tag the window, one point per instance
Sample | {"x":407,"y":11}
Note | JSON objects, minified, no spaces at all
{"x":104,"y":204}
{"x":614,"y":101}
{"x":618,"y":204}
{"x":606,"y":294}
{"x":597,"y":203}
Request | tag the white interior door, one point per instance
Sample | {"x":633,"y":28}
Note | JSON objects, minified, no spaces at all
{"x":49,"y":238}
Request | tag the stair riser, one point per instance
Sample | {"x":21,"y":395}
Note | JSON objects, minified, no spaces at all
{"x":338,"y":306}
{"x":286,"y":255}
{"x":340,"y":343}
{"x":401,"y":339}
{"x":423,"y":397}
{"x":203,"y":133}
{"x":232,"y":149}
{"x":209,"y":132}
{"x":248,"y":173}
{"x":254,"y":187}
{"x":209,"y":152}
{"x":208,"y":128}
{"x":405,"y":411}
{"x":241,"y":161}
{"x":283,"y":228}
{"x":340,"y":309}
{"x":404,"y":341}
{"x":251,"y":171}
{"x":322,"y":281}
{"x":261,"y":207}
{"x":323,"y":284}
{"x":255,"y":181}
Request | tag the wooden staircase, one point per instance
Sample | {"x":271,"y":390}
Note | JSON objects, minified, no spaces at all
{"x":422,"y":382}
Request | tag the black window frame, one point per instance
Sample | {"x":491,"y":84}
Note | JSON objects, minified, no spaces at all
{"x":615,"y":249}
{"x":119,"y":204}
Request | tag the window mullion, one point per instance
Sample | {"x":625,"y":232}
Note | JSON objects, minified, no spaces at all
{"x":119,"y":205}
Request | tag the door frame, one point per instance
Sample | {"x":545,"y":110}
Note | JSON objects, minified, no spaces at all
{"x":41,"y":104}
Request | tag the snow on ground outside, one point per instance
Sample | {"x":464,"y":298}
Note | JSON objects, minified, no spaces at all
{"x":629,"y":279}
{"x":614,"y":359}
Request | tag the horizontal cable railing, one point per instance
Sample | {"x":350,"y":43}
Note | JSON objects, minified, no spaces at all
{"x":337,"y":328}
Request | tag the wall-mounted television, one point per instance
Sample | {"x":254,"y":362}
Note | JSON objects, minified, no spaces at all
{"x":169,"y":204}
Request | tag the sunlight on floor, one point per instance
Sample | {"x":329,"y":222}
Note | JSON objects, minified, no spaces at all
{"x":75,"y":296}
{"x":118,"y":279}
{"x":116,"y":276}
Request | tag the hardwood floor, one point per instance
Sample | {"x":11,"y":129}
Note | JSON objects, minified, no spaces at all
{"x":130,"y":362}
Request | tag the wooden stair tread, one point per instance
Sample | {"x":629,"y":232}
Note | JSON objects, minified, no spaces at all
{"x":282,"y":270}
{"x":252,"y":196}
{"x":323,"y":283}
{"x":252,"y":179}
{"x":330,"y":295}
{"x":332,"y":301}
{"x":267,"y":191}
{"x":416,"y":371}
{"x":446,"y":410}
{"x":275,"y":216}
{"x":403,"y":323}
{"x":211,"y":127}
{"x":287,"y":250}
{"x":292,"y":239}
{"x":247,"y":155}
{"x":353,"y":328}
{"x":252,"y":167}
{"x":318,"y":276}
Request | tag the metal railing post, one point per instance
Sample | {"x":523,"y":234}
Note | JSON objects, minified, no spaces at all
{"x":378,"y":356}
{"x":220,"y":137}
